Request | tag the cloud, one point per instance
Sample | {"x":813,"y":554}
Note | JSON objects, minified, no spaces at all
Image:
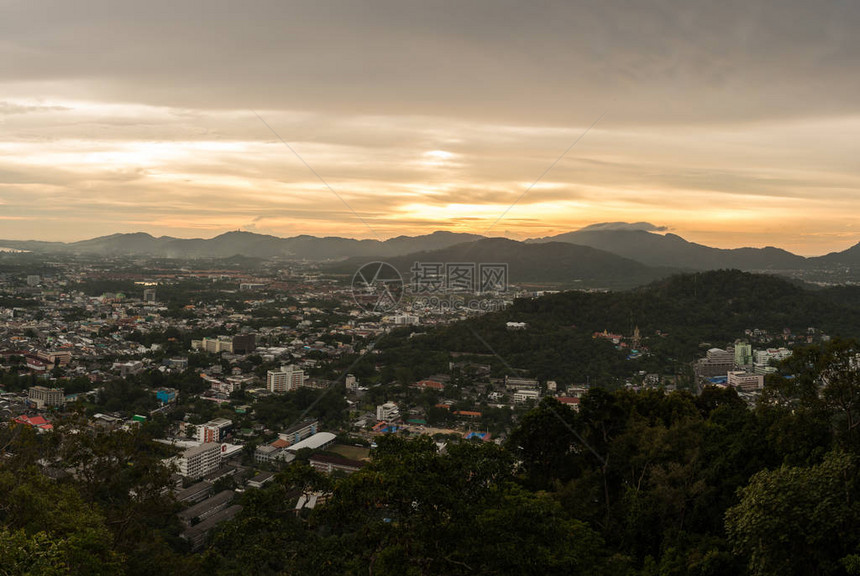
{"x":733,"y":116}
{"x":646,"y":226}
{"x":9,"y":108}
{"x":660,"y":61}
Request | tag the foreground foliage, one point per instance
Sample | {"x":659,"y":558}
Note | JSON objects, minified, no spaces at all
{"x":641,"y":483}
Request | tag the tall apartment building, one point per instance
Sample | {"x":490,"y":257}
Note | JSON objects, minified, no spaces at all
{"x":244,"y":343}
{"x":743,"y":354}
{"x":718,"y":362}
{"x":199,"y":461}
{"x":351,"y":382}
{"x":43,"y":397}
{"x":286,"y":379}
{"x":214,"y":430}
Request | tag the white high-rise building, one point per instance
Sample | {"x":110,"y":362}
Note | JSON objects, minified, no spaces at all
{"x":351,"y":382}
{"x":200,"y":460}
{"x":286,"y":379}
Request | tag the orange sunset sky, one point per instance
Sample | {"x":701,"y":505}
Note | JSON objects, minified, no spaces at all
{"x":729,"y":123}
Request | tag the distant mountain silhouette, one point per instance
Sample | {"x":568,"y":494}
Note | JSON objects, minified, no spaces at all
{"x":135,"y":243}
{"x":250,"y":244}
{"x":672,"y":250}
{"x":849,"y":257}
{"x":640,"y":242}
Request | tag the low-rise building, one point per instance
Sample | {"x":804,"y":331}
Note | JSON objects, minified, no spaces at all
{"x":197,"y":534}
{"x":274,"y":452}
{"x":429,"y":385}
{"x":40,"y":423}
{"x":521,"y":396}
{"x":195,"y":493}
{"x":329,"y":463}
{"x":166,"y":395}
{"x":745,"y":381}
{"x":261,"y":479}
{"x":214,"y":345}
{"x":128,"y":368}
{"x":206,"y":508}
{"x":571,"y":401}
{"x":300,"y":431}
{"x":316,"y":442}
{"x":518,"y":383}
{"x":388,"y":412}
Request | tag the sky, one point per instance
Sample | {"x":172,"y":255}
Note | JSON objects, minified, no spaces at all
{"x":732,"y":123}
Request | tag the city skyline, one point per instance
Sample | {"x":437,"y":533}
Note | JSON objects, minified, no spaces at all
{"x":727,"y":125}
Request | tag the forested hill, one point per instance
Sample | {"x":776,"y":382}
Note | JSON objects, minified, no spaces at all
{"x":714,"y":305}
{"x":676,"y":317}
{"x":557,"y":264}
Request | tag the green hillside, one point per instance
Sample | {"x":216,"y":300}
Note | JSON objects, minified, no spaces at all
{"x":688,"y":311}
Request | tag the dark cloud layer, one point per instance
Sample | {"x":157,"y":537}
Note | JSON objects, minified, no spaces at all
{"x":663,"y":61}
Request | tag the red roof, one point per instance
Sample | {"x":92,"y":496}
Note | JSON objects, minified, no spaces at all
{"x":34,"y":421}
{"x":433,"y":384}
{"x":568,"y":400}
{"x":468,"y":413}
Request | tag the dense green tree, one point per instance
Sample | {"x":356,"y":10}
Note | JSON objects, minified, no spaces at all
{"x":798,"y":520}
{"x":415,"y":511}
{"x":49,"y":528}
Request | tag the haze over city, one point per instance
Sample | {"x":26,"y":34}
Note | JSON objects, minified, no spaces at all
{"x":728,"y":124}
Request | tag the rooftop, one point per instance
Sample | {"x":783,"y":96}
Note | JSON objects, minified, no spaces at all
{"x":314,"y":442}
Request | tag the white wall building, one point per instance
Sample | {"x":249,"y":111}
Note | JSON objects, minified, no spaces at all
{"x":200,"y":460}
{"x":214,"y":430}
{"x":42,"y":396}
{"x":387,"y":412}
{"x":286,"y":379}
{"x":521,"y":396}
{"x":745,"y":381}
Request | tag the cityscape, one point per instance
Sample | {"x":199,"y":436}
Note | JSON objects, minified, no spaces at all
{"x":436,"y":288}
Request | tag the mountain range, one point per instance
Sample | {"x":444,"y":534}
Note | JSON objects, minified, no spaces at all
{"x":606,"y":250}
{"x":672,"y":250}
{"x":239,"y":243}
